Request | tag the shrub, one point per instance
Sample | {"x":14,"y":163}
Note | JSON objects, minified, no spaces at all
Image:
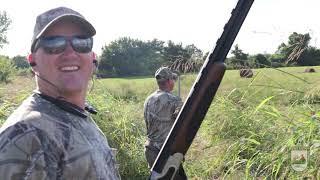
{"x":6,"y":69}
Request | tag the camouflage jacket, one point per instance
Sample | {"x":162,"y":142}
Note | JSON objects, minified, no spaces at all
{"x":42,"y":141}
{"x":160,"y":110}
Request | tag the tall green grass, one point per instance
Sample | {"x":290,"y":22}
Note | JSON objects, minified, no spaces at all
{"x":254,"y":125}
{"x":249,"y":131}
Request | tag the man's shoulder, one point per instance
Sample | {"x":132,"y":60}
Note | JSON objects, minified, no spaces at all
{"x":19,"y":114}
{"x":24,"y":128}
{"x":169,"y":96}
{"x":163,"y":98}
{"x":165,"y":94}
{"x":22,"y":140}
{"x":33,"y":111}
{"x":18,"y":138}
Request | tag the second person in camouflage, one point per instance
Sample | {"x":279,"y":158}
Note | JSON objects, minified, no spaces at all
{"x":160,"y":111}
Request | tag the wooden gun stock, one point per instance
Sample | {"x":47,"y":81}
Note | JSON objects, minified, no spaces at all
{"x":199,"y":99}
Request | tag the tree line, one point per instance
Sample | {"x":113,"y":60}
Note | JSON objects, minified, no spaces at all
{"x":133,"y":57}
{"x":296,"y":52}
{"x":126,"y":56}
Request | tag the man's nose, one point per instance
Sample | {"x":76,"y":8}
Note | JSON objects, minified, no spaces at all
{"x":69,"y":49}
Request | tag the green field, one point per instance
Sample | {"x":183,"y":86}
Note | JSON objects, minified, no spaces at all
{"x":249,"y":130}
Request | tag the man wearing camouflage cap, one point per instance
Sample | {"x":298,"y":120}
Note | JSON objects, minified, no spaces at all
{"x":51,"y":135}
{"x":160,"y":111}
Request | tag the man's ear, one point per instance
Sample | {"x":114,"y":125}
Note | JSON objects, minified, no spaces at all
{"x":95,"y":62}
{"x":94,"y":59}
{"x":30,"y":60}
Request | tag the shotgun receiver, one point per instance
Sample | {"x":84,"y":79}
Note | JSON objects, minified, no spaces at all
{"x":199,"y":99}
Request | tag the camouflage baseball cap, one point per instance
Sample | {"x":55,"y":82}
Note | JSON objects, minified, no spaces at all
{"x":46,"y":19}
{"x":164,"y":73}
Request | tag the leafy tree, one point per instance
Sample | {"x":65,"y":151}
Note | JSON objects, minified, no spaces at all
{"x":6,"y":69}
{"x":238,"y":53}
{"x":310,"y":57}
{"x":5,"y":21}
{"x":131,"y":57}
{"x":277,"y":60}
{"x":188,"y":59}
{"x":153,"y":55}
{"x":174,"y":52}
{"x":239,"y":58}
{"x":20,"y":62}
{"x":297,"y":44}
{"x":119,"y":57}
{"x":261,"y":61}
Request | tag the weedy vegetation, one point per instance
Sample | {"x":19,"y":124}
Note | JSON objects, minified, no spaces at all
{"x":249,"y":132}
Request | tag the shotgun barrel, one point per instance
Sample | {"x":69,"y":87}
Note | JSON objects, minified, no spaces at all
{"x":199,"y":99}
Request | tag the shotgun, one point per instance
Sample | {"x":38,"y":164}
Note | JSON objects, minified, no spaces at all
{"x":199,"y":99}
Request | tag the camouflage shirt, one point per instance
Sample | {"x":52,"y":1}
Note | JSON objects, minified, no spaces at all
{"x":42,"y":141}
{"x":160,"y":110}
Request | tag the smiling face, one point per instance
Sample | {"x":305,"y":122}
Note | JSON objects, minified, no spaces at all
{"x":68,"y":71}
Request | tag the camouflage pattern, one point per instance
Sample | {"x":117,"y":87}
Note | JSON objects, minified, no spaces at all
{"x":160,"y":110}
{"x":42,"y":141}
{"x":46,"y":19}
{"x":164,"y":73}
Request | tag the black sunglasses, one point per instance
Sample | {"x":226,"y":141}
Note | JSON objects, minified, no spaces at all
{"x":57,"y":44}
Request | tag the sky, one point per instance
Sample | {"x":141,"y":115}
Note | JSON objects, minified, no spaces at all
{"x":198,"y":22}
